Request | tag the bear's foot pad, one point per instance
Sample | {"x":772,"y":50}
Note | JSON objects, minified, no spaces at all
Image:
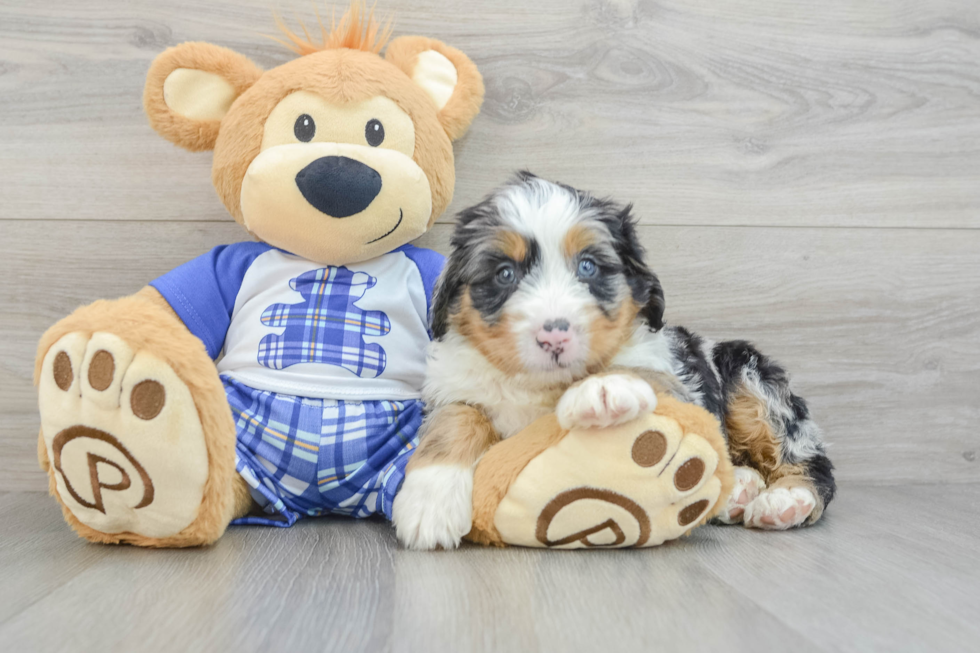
{"x":123,"y":437}
{"x":638,"y":484}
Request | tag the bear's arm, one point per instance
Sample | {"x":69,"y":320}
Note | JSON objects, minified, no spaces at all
{"x":202,"y":292}
{"x":430,"y":264}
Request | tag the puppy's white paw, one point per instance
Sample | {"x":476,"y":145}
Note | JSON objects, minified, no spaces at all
{"x":602,"y":401}
{"x":780,"y":508}
{"x":748,"y":485}
{"x":434,"y":507}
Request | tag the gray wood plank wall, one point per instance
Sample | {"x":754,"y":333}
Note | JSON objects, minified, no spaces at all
{"x":807,"y":174}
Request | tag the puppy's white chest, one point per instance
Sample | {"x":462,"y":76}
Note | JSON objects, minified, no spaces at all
{"x":511,"y":418}
{"x":457,"y":373}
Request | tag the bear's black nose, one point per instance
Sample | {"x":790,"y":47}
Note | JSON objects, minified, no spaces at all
{"x":339,"y":186}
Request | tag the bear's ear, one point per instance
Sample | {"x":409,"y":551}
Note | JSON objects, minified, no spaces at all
{"x":445,"y":74}
{"x":189,"y":89}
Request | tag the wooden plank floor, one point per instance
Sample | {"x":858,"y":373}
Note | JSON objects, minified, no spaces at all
{"x":890,"y":569}
{"x":807,"y":175}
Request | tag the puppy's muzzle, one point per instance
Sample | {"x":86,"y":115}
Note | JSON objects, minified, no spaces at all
{"x":554,"y":336}
{"x":339,"y":186}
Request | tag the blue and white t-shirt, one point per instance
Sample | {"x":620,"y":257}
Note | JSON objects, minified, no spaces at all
{"x":277,"y":322}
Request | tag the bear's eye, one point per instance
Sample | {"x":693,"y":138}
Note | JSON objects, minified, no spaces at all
{"x":374,"y":132}
{"x":304,"y":128}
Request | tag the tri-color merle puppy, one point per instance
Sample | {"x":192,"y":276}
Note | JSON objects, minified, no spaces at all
{"x":547,"y":304}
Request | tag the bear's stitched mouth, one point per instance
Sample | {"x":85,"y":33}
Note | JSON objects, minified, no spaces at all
{"x":401,"y":214}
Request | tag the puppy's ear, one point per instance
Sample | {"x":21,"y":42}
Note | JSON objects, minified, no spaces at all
{"x":644,"y":284}
{"x":455,"y":276}
{"x":189,"y":89}
{"x":447,"y":292}
{"x":447,"y":76}
{"x":653,"y":311}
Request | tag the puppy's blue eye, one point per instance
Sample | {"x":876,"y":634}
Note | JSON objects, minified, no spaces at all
{"x":587,"y":268}
{"x":505,"y":275}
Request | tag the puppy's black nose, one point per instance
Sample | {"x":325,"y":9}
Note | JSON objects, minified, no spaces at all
{"x":339,"y":186}
{"x":556,"y":325}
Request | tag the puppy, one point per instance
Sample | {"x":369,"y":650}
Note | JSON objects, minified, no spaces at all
{"x":546,"y":305}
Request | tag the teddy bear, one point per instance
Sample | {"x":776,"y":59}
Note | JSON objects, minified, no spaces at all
{"x":275,"y":379}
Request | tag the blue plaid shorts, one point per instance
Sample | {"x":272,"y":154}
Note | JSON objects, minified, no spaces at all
{"x":309,"y":457}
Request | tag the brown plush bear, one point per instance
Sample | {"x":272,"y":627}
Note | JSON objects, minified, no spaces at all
{"x":333,"y":163}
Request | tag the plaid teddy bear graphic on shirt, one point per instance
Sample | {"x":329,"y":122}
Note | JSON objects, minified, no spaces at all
{"x":326,"y":327}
